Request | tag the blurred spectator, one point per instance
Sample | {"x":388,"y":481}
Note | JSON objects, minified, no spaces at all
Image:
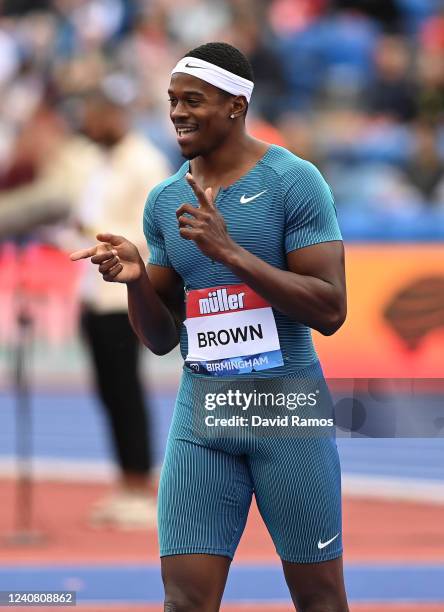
{"x":425,"y":169}
{"x":319,"y":69}
{"x":290,"y":16}
{"x":300,"y":136}
{"x":193,"y":22}
{"x":105,"y":184}
{"x":271,"y":89}
{"x":23,"y":165}
{"x":375,"y":188}
{"x":363,"y":160}
{"x":387,"y":12}
{"x":431,"y":86}
{"x":112,"y":200}
{"x":432,"y":33}
{"x":392,"y":92}
{"x":416,"y":12}
{"x":88,"y":26}
{"x":46,"y":162}
{"x":20,"y":7}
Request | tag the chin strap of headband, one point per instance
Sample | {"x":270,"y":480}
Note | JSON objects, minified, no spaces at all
{"x":219,"y":77}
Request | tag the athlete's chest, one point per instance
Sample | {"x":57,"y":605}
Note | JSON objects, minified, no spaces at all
{"x":254,"y":216}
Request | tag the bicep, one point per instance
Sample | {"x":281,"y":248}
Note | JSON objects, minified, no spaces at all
{"x":324,"y":261}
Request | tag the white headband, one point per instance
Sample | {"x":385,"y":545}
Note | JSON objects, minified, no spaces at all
{"x":219,"y":77}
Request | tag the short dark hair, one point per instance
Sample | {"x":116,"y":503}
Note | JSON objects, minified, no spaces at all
{"x":225,"y":56}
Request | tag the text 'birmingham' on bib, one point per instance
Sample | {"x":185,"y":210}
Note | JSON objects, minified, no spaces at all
{"x":231,"y":330}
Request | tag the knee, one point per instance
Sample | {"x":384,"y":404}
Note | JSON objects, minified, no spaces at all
{"x":180,"y":599}
{"x":193,"y":583}
{"x":323,"y":603}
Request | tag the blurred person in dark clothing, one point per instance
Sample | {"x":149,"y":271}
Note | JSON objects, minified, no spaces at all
{"x":430,"y":75}
{"x":392,"y":93}
{"x":386,"y":12}
{"x":425,"y":170}
{"x":103,"y":178}
{"x":21,"y":7}
{"x":114,"y":197}
{"x":267,"y":68}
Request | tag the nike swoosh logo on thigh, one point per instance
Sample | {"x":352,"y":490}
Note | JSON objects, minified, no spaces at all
{"x":322,"y":545}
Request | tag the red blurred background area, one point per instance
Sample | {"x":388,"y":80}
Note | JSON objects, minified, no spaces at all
{"x":42,"y":280}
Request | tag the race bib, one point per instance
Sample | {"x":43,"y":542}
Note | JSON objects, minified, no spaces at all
{"x":231,"y":330}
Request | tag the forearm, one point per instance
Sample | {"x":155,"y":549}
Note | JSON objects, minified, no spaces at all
{"x":312,"y":301}
{"x":150,"y":318}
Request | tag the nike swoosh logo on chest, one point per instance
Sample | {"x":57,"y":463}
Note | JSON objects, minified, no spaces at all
{"x":245,"y":200}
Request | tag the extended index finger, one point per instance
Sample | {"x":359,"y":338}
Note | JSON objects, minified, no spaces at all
{"x":200,"y":193}
{"x":83,"y":253}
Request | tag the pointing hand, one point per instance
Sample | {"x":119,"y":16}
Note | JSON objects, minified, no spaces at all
{"x":118,"y":259}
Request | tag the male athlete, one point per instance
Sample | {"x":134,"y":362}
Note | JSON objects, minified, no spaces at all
{"x":245,"y":257}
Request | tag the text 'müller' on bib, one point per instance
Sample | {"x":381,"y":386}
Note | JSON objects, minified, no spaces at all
{"x":231,"y":330}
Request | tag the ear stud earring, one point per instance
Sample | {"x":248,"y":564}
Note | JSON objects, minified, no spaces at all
{"x":231,"y":116}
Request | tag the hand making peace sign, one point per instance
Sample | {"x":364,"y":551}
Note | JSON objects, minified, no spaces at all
{"x":204,"y":224}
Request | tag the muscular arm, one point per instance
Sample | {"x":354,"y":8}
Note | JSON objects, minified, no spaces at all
{"x":156,"y":308}
{"x":312,"y":291}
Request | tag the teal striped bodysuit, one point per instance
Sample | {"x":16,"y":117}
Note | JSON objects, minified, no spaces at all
{"x":209,"y":475}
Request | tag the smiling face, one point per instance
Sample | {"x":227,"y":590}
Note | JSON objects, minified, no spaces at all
{"x":200,"y":113}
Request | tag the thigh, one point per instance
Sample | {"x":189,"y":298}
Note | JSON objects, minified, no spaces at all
{"x":204,"y":498}
{"x":318,"y":586}
{"x":194,"y":582}
{"x":297,"y":485}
